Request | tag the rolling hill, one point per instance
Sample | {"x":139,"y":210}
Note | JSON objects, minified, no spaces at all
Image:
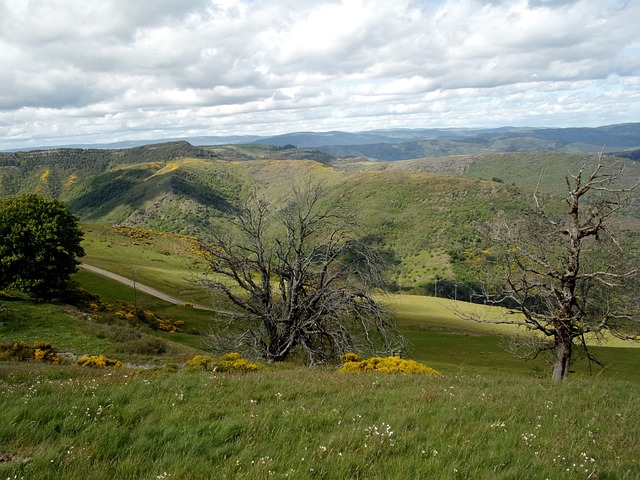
{"x":425,"y":211}
{"x":404,"y":143}
{"x":393,"y":145}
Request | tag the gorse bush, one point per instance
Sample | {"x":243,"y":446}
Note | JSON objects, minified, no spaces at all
{"x":353,"y":363}
{"x":155,"y":321}
{"x":201,"y":362}
{"x":350,"y":357}
{"x":98,"y":361}
{"x":234,"y":362}
{"x":24,"y":352}
{"x":230,"y":362}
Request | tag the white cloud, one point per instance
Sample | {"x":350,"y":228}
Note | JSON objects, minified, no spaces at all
{"x":121,"y":69}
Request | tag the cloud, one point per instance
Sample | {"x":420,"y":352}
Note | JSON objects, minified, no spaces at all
{"x":119,"y":69}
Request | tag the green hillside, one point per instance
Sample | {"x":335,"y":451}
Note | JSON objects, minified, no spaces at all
{"x":545,"y":170}
{"x":425,"y":211}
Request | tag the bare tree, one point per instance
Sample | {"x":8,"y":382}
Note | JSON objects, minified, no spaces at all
{"x":302,"y":279}
{"x":569,"y":273}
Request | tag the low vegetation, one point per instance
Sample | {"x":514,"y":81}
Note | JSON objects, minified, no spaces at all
{"x":393,"y":364}
{"x":98,"y":361}
{"x":229,"y":362}
{"x":65,"y":422}
{"x":25,"y":352}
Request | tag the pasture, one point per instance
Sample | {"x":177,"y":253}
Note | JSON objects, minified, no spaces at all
{"x":488,"y":416}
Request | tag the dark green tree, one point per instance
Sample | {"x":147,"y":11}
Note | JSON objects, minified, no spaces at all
{"x":39,"y":243}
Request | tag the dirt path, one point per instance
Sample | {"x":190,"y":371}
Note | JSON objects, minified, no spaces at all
{"x":140,"y":287}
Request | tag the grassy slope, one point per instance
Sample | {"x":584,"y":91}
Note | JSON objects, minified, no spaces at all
{"x":68,"y":423}
{"x":438,"y":336}
{"x":422,"y":208}
{"x":524,"y":169}
{"x":421,"y":214}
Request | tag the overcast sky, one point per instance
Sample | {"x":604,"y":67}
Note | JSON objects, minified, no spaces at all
{"x":86,"y":71}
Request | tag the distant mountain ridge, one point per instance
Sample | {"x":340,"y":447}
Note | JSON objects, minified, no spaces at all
{"x":405,"y":144}
{"x":396,"y":145}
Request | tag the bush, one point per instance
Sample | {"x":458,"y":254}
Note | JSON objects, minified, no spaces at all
{"x":39,"y":242}
{"x":234,"y":362}
{"x":98,"y":361}
{"x":350,"y":357}
{"x":230,"y":362}
{"x":352,"y":363}
{"x":201,"y":362}
{"x":126,"y":311}
{"x":23,"y":352}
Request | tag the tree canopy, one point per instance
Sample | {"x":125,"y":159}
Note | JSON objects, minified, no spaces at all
{"x":39,"y":243}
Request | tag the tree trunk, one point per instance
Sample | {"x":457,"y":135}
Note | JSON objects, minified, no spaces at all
{"x":279,"y":347}
{"x":562,"y":349}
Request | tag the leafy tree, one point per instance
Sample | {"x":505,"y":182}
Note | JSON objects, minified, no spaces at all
{"x":570,"y":273}
{"x":39,"y":242}
{"x":303,"y":280}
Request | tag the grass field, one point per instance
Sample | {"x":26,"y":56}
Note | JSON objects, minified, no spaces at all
{"x":69,"y":423}
{"x":488,"y":416}
{"x":438,"y":334}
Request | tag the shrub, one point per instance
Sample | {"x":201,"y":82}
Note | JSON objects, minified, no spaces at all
{"x":98,"y":361}
{"x":155,"y":321}
{"x":23,"y":352}
{"x":45,"y":352}
{"x":230,"y":362}
{"x":158,"y":322}
{"x":201,"y":362}
{"x":234,"y":362}
{"x":350,"y":357}
{"x":352,"y":363}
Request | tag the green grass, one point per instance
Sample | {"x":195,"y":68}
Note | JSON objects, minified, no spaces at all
{"x":111,"y":291}
{"x":490,"y":416}
{"x":60,"y":422}
{"x":64,"y":327}
{"x":440,"y":337}
{"x":165,"y":262}
{"x":91,"y":333}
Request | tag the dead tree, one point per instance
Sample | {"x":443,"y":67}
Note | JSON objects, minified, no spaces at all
{"x":569,"y":273}
{"x":302,"y":280}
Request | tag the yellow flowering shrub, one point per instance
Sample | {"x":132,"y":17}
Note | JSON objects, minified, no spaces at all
{"x":234,"y":362}
{"x":230,"y":362}
{"x":22,"y":351}
{"x":125,"y":314}
{"x":350,"y":357}
{"x":393,"y":364}
{"x":201,"y":362}
{"x":155,"y":321}
{"x":98,"y":361}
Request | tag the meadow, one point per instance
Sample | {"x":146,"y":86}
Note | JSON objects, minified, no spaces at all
{"x":487,"y":416}
{"x":64,"y":422}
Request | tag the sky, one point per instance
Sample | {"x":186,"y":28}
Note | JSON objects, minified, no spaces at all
{"x":101,"y":71}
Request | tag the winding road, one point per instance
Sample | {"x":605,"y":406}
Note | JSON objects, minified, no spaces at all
{"x":138,"y":286}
